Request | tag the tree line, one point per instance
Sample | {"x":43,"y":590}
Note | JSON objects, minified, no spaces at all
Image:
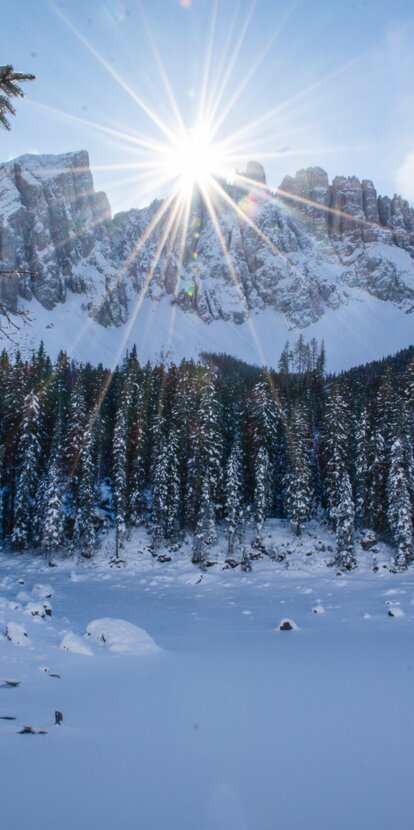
{"x":184,"y":449}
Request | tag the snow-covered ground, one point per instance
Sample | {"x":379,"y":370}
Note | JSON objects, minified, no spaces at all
{"x":186,"y":708}
{"x":365,"y":329}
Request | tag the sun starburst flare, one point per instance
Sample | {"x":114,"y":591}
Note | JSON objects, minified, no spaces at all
{"x":199,"y":158}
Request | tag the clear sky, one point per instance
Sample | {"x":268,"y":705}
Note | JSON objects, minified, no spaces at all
{"x":335,"y":78}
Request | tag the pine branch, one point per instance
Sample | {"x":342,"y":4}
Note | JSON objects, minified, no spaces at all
{"x":9,"y":89}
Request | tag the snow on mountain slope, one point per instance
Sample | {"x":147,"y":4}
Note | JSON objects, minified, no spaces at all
{"x":231,"y":724}
{"x":332,"y":261}
{"x":363,"y":330}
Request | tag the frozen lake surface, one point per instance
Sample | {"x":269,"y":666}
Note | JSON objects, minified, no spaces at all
{"x":230,"y":724}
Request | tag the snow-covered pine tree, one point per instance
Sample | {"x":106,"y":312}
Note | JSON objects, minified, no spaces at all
{"x":361,"y":467}
{"x":335,"y":447}
{"x":53,"y":516}
{"x":160,"y":490}
{"x":377,"y":479}
{"x":27,"y":468}
{"x":14,"y":390}
{"x":233,"y":495}
{"x":174,"y":492}
{"x":205,"y":533}
{"x":408,"y":397}
{"x":120,"y":468}
{"x":205,"y":446}
{"x":298,"y":488}
{"x":262,"y":490}
{"x":345,"y":515}
{"x":84,"y":535}
{"x":400,"y":514}
{"x":210,"y":438}
{"x":140,"y":390}
{"x":265,"y":413}
{"x":76,"y":428}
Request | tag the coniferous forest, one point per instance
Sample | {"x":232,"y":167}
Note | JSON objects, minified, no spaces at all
{"x":184,"y":449}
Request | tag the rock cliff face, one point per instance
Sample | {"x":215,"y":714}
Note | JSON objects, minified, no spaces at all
{"x":299,"y":250}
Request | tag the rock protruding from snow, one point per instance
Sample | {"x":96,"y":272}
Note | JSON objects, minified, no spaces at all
{"x":75,"y":645}
{"x":39,"y":609}
{"x":42,"y":591}
{"x":395,"y":611}
{"x":121,"y":636}
{"x":16,"y":633}
{"x":287,"y":625}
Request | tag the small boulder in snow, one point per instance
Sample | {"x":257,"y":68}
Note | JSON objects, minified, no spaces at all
{"x":36,"y":609}
{"x":121,"y":636}
{"x":17,"y":634}
{"x":395,"y":611}
{"x":318,"y":609}
{"x":287,"y":625}
{"x":368,"y":539}
{"x":76,"y":645}
{"x":42,"y":591}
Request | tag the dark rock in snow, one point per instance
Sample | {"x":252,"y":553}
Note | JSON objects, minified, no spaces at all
{"x":28,"y":730}
{"x":368,"y":540}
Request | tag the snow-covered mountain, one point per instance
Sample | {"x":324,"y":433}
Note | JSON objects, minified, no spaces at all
{"x":325,"y":260}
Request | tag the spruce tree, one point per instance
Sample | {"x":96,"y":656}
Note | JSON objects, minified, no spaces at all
{"x":205,"y":446}
{"x":28,"y":464}
{"x":233,"y":496}
{"x":205,"y":531}
{"x":361,"y":467}
{"x":84,"y":535}
{"x":262,"y":493}
{"x":53,"y":517}
{"x":400,"y":514}
{"x":345,"y":515}
{"x":377,"y":481}
{"x":335,"y":447}
{"x":298,"y":493}
{"x":120,"y":469}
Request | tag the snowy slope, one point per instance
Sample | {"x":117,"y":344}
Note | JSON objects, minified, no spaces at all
{"x":361,"y":331}
{"x":231,"y":724}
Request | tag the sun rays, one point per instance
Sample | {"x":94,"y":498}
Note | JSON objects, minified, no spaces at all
{"x":197,"y":159}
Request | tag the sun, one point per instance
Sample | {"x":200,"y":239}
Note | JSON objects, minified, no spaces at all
{"x":194,"y":159}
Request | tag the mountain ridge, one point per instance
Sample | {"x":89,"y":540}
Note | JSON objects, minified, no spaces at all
{"x":303,"y":251}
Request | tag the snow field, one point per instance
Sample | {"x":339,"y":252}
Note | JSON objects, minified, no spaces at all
{"x":229,"y":723}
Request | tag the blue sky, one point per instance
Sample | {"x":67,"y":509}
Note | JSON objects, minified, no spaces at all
{"x":337,"y":76}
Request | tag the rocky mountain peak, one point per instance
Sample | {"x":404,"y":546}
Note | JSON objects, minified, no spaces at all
{"x":299,"y":251}
{"x":255,"y":171}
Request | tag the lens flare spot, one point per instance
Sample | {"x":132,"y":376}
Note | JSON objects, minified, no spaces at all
{"x":248,"y":204}
{"x":114,"y":11}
